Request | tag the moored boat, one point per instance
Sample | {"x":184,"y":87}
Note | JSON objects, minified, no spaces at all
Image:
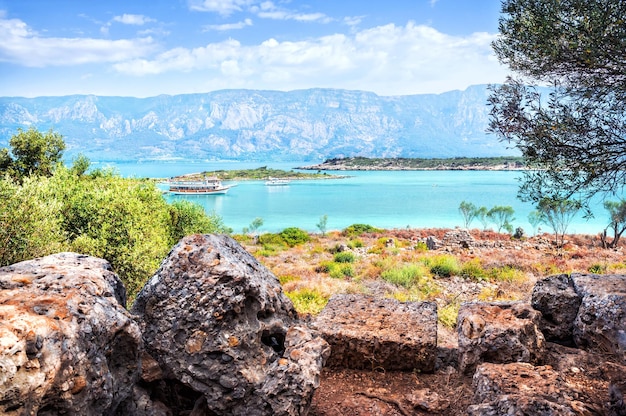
{"x":208,"y":186}
{"x":276,"y":182}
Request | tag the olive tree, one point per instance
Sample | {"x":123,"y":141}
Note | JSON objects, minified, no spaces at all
{"x":33,"y":153}
{"x":565,"y":106}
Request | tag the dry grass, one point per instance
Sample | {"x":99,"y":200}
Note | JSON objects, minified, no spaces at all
{"x":498,"y":268}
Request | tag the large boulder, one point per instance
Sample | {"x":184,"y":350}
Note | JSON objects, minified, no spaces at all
{"x":67,"y":344}
{"x":601,"y":321}
{"x":588,"y":310}
{"x":502,"y":332}
{"x":221,"y":329}
{"x":521,"y":389}
{"x":558,"y":303}
{"x":379,"y":333}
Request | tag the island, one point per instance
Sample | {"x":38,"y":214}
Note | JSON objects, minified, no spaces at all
{"x":261,"y":173}
{"x":456,"y":163}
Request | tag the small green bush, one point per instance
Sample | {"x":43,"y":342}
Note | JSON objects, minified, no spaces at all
{"x":597,"y":268}
{"x":355,"y":243}
{"x":326,"y":267}
{"x":448,"y":314}
{"x":443,"y":265}
{"x":293,"y":236}
{"x":358,"y":229}
{"x":344,"y":257}
{"x":308,"y":300}
{"x":271,"y":239}
{"x":507,"y":274}
{"x":473,"y":270}
{"x":341,"y":270}
{"x":405,"y":276}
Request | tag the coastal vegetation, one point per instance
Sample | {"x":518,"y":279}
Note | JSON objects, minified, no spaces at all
{"x":260,"y":173}
{"x":402,"y":163}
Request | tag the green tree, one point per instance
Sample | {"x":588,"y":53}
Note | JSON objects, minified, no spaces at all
{"x":558,"y":214}
{"x":469,"y":213}
{"x":34,"y":153}
{"x":481,"y":214}
{"x":321,"y":225}
{"x":617,"y":223}
{"x":254,"y":226}
{"x":535,"y":218}
{"x":571,"y":133}
{"x":502,"y":216}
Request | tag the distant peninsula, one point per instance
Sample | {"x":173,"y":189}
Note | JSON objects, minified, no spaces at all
{"x":456,"y":163}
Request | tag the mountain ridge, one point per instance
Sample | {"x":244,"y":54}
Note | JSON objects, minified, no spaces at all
{"x":300,"y":125}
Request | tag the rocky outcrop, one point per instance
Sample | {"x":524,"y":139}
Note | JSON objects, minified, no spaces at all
{"x":521,"y":389}
{"x":371,"y":333}
{"x":502,"y":332}
{"x":586,"y":309}
{"x":223,"y":332}
{"x":67,"y":344}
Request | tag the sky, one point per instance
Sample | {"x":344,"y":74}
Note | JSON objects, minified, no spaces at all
{"x":144,"y":48}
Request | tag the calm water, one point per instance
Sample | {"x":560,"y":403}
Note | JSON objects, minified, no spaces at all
{"x":382,"y":199}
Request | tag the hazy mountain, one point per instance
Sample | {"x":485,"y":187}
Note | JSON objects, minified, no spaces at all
{"x":261,"y":125}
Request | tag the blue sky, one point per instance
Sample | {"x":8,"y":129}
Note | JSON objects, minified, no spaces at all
{"x":146,"y":48}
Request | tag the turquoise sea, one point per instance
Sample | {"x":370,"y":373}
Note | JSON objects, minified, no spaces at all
{"x":385,"y":199}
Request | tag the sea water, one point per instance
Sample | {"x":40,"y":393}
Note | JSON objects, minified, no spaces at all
{"x":384,"y":199}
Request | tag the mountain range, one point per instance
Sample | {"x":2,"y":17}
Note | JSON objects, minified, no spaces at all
{"x":302,"y":125}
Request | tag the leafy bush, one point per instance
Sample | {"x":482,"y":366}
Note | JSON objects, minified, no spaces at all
{"x":473,"y":270}
{"x":293,"y":236}
{"x":507,"y":274}
{"x":269,"y":239}
{"x":341,"y":270}
{"x":405,"y":276}
{"x":597,"y":268}
{"x":310,"y":301}
{"x":344,"y":257}
{"x":443,"y":265}
{"x":448,"y":314}
{"x":358,"y":229}
{"x":189,"y":218}
{"x":355,"y":243}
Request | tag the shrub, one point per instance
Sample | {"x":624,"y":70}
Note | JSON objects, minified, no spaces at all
{"x":473,"y":270}
{"x":344,"y":257}
{"x":507,"y":274}
{"x":448,"y":314}
{"x":405,"y":276}
{"x":271,"y":239}
{"x":293,"y":236}
{"x":325,"y":266}
{"x":309,"y":301}
{"x":341,"y":270}
{"x":597,"y":268}
{"x":355,"y":243}
{"x":358,"y":229}
{"x":443,"y":265}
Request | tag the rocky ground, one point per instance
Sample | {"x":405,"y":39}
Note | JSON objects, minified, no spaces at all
{"x":448,"y":391}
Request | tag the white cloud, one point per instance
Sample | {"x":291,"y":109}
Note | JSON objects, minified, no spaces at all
{"x":223,"y":7}
{"x":268,"y":10}
{"x":133,"y":19}
{"x":21,"y":45}
{"x":389,"y":60}
{"x":230,"y":26}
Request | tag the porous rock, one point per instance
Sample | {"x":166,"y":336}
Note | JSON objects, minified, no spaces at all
{"x":520,"y":389}
{"x":219,"y":325}
{"x":500,"y":332}
{"x":558,"y":303}
{"x":378,"y":333}
{"x":601,"y":321}
{"x":67,"y":344}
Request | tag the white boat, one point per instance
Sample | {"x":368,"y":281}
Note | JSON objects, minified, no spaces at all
{"x":276,"y":182}
{"x":208,"y":186}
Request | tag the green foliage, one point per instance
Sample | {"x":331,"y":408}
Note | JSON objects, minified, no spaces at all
{"x":405,"y":276}
{"x":443,"y":265}
{"x":188,"y":217}
{"x":570,"y":134}
{"x":339,"y":271}
{"x":293,"y":236}
{"x":34,"y":153}
{"x":558,"y":214}
{"x":308,"y":301}
{"x":535,"y":218}
{"x":507,"y":274}
{"x":344,"y":257}
{"x":617,"y":221}
{"x":355,"y":230}
{"x":254,"y":226}
{"x":597,"y":268}
{"x":502,"y":216}
{"x":355,"y":243}
{"x":322,"y":224}
{"x":448,"y":314}
{"x":469,"y":212}
{"x":473,"y":270}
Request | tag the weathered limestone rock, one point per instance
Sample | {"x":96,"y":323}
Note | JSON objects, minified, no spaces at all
{"x":370,"y":333}
{"x":218,"y":324}
{"x":67,"y":345}
{"x":520,"y":389}
{"x":558,"y":303}
{"x":601,"y":321}
{"x":498,"y":333}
